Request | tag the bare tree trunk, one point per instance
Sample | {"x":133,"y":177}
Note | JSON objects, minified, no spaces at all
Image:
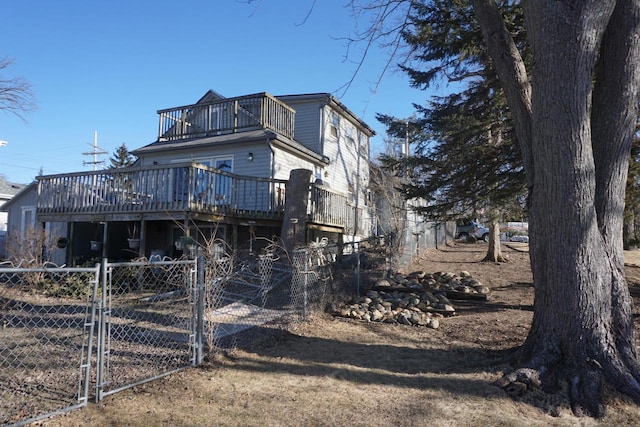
{"x":580,"y":138}
{"x":629,"y":228}
{"x":578,"y":188}
{"x":494,"y":252}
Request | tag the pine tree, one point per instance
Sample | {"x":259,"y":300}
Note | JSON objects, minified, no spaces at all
{"x":466,"y":160}
{"x":121,"y":158}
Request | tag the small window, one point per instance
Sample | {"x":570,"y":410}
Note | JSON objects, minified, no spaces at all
{"x":28,"y":220}
{"x":334,"y":125}
{"x":364,"y":148}
{"x":350,"y":137}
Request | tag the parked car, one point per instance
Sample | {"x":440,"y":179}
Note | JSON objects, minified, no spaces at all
{"x":523,"y":238}
{"x":472,"y":228}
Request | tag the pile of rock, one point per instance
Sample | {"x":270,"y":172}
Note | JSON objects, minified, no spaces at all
{"x":417,"y":299}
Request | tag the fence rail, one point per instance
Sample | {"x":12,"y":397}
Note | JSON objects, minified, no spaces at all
{"x":187,"y":187}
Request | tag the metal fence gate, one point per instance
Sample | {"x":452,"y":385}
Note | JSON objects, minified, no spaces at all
{"x":147,"y":322}
{"x":71,"y":334}
{"x":47,"y":319}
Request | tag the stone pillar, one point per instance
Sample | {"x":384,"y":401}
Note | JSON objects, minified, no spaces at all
{"x":295,"y":209}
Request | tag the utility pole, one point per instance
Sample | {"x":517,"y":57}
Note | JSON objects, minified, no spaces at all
{"x":95,"y":153}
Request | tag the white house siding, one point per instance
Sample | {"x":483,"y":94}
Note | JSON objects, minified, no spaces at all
{"x":348,"y":171}
{"x":21,"y":214}
{"x":259,"y":167}
{"x":285,"y":162}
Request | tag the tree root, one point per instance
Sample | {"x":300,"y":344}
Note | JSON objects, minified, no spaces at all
{"x":583,"y":392}
{"x":498,"y":258}
{"x":516,"y":383}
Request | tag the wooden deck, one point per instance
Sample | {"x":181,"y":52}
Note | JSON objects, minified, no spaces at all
{"x":180,"y":191}
{"x":167,"y":191}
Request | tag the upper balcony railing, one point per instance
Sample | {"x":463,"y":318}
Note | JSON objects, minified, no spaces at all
{"x":230,"y":115}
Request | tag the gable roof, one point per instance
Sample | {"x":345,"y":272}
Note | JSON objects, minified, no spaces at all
{"x":17,"y":196}
{"x":9,"y":189}
{"x":210,"y":96}
{"x":328,"y":99}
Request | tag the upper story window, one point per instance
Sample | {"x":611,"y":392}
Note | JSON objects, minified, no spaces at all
{"x":334,"y":125}
{"x":350,"y":136}
{"x":364,"y":147}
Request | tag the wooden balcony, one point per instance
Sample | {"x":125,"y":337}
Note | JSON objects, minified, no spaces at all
{"x":158,"y":192}
{"x":179,"y":191}
{"x":230,"y":115}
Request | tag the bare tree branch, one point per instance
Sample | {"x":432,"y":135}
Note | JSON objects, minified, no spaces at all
{"x":309,"y":12}
{"x":390,"y":20}
{"x":16,"y":96}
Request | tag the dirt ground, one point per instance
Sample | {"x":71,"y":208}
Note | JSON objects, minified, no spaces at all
{"x":338,"y":372}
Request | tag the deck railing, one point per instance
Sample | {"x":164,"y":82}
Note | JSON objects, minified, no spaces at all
{"x":166,"y":190}
{"x":187,"y":187}
{"x":327,"y":207}
{"x":230,"y":115}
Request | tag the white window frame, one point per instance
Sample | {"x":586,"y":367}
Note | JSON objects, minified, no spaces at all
{"x":334,"y":124}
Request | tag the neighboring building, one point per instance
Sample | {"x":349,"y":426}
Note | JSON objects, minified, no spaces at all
{"x":7,"y":191}
{"x":219,"y":168}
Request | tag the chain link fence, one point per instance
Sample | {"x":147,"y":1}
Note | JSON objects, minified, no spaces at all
{"x":247,"y":292}
{"x":145,"y":319}
{"x":148,"y":318}
{"x":47,"y":325}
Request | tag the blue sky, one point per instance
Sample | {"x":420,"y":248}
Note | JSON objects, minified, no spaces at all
{"x":108,"y":66}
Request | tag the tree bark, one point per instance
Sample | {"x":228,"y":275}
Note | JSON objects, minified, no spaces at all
{"x":494,"y":251}
{"x":576,"y":162}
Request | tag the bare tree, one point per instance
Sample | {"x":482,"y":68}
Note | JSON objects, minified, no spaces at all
{"x":391,"y":209}
{"x":16,"y":96}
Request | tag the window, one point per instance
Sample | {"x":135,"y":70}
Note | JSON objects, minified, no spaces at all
{"x":350,"y":137}
{"x":334,"y":123}
{"x":222,"y":182}
{"x":207,"y":187}
{"x":364,"y":148}
{"x":28,"y":220}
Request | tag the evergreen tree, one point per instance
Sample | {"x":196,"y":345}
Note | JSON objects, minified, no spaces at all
{"x":466,"y":160}
{"x":121,"y":158}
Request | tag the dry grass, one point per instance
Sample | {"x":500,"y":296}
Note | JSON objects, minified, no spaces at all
{"x":335,"y":372}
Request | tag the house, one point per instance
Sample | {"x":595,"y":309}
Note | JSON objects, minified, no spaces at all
{"x":27,"y":238}
{"x":7,"y":191}
{"x":220,"y":168}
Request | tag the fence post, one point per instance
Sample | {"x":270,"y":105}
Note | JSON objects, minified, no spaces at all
{"x":102,"y":331}
{"x":200,"y":288}
{"x":306,"y":284}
